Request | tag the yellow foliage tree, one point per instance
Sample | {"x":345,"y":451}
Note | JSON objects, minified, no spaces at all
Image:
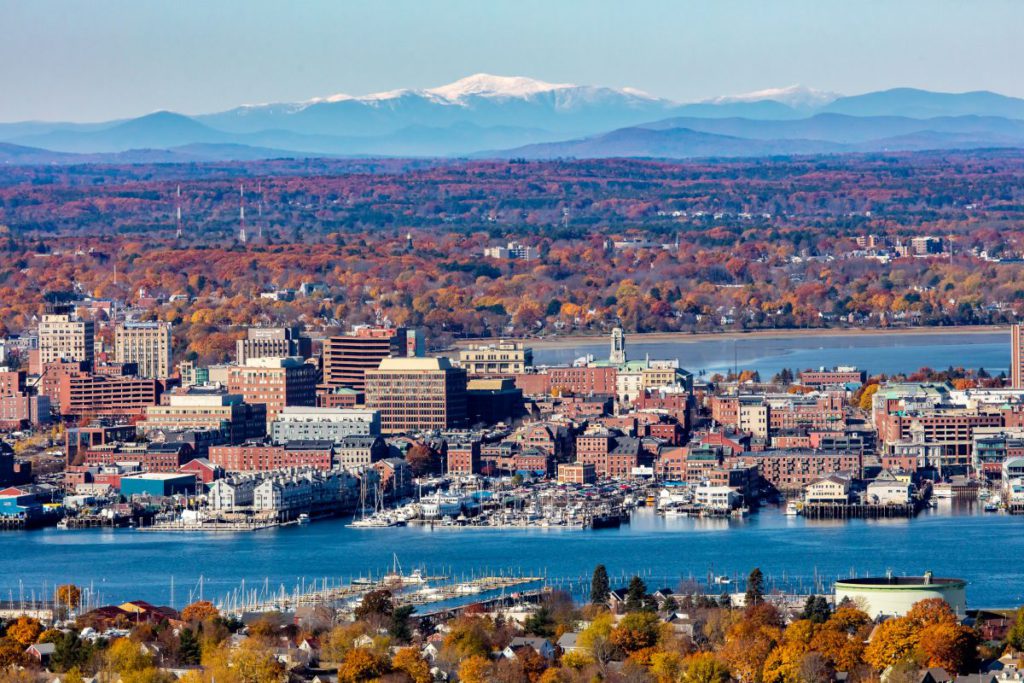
{"x":893,"y":641}
{"x":475,"y":669}
{"x":25,"y":631}
{"x":409,"y":660}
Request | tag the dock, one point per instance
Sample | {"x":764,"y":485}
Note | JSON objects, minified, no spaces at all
{"x":858,"y":510}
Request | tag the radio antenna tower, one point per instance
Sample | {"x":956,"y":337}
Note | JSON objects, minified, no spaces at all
{"x":178,"y":234}
{"x":241,"y":213}
{"x":259,"y":207}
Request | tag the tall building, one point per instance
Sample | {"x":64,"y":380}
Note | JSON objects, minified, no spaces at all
{"x":503,"y":358}
{"x":348,"y":357}
{"x":62,"y":336}
{"x":1017,"y":357}
{"x":148,"y":345}
{"x":417,"y":394}
{"x":274,"y":382}
{"x":618,"y":350}
{"x":199,"y":409}
{"x":272,"y":342}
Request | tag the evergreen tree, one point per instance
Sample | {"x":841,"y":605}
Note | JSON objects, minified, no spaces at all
{"x":188,"y":651}
{"x":599,"y":586}
{"x":636,"y":595}
{"x":755,"y":588}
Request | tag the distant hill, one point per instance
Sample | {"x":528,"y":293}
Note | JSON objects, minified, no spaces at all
{"x":513,"y":113}
{"x":923,"y":104}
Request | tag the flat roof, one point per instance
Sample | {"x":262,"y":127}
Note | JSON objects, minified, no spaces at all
{"x":900,"y":582}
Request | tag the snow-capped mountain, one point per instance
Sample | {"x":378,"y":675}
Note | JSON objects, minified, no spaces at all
{"x":796,"y":96}
{"x":484,"y":100}
{"x":522,"y":115}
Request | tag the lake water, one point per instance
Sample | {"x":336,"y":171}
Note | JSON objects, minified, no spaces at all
{"x":985,"y":549}
{"x":876,"y":353}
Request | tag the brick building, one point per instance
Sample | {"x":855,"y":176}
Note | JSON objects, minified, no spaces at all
{"x":265,"y":457}
{"x":275,"y":382}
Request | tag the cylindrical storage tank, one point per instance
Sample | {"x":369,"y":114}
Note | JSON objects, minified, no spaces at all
{"x":895,"y":595}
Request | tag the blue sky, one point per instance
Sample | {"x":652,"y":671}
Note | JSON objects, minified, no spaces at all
{"x":100,"y":59}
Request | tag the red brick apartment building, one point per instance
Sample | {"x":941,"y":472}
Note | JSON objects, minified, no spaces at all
{"x":163,"y":458}
{"x":275,"y":382}
{"x":815,"y":378}
{"x":464,"y":457}
{"x":578,"y":381}
{"x":952,"y":431}
{"x":265,"y":457}
{"x":611,"y":456}
{"x":792,"y":470}
{"x":576,"y":473}
{"x":85,"y":394}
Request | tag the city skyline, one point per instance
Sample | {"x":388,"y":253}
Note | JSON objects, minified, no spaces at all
{"x":117,"y":59}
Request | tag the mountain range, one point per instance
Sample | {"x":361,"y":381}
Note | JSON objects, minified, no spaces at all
{"x":502,"y":117}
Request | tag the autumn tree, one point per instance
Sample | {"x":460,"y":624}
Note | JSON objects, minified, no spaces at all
{"x":199,"y":611}
{"x":893,"y":641}
{"x":68,"y":595}
{"x":636,"y":631}
{"x":950,"y":646}
{"x":25,"y":631}
{"x":362,"y":664}
{"x":475,"y":669}
{"x":704,"y":667}
{"x":409,"y":661}
{"x":1015,"y":637}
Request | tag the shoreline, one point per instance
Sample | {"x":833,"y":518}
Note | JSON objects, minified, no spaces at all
{"x":637,"y":338}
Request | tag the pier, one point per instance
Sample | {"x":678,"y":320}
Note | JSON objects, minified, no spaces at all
{"x":858,"y":510}
{"x":414,"y":589}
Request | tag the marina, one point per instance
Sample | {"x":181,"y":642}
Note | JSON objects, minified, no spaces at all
{"x":956,"y":538}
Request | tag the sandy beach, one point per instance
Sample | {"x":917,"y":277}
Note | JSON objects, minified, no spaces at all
{"x":571,"y":341}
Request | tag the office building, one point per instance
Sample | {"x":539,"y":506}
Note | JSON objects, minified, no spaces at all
{"x":503,"y":358}
{"x":417,"y":394}
{"x":63,"y":337}
{"x":275,"y":382}
{"x":197,"y":409}
{"x":272,"y":342}
{"x":148,"y":345}
{"x":348,"y":357}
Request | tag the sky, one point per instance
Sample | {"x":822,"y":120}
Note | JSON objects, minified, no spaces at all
{"x":102,"y":59}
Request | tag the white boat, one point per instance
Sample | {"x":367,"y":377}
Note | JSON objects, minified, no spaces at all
{"x":303,"y":518}
{"x":722,"y":580}
{"x":792,"y":509}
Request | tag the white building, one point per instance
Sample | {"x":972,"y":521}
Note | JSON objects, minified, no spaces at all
{"x":721,"y":498}
{"x":886,"y":489}
{"x":229,"y":494}
{"x":300,"y":423}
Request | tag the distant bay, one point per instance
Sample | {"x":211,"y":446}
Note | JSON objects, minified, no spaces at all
{"x":881,"y":352}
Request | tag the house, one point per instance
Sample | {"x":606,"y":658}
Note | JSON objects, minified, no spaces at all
{"x":41,"y":652}
{"x":430,"y":651}
{"x":311,"y":646}
{"x":887,"y":489}
{"x":542,"y":646}
{"x":832,"y":490}
{"x":617,"y":600}
{"x":682,"y":624}
{"x":569,"y":642}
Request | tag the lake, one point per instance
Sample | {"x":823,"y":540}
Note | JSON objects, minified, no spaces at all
{"x":876,"y":353}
